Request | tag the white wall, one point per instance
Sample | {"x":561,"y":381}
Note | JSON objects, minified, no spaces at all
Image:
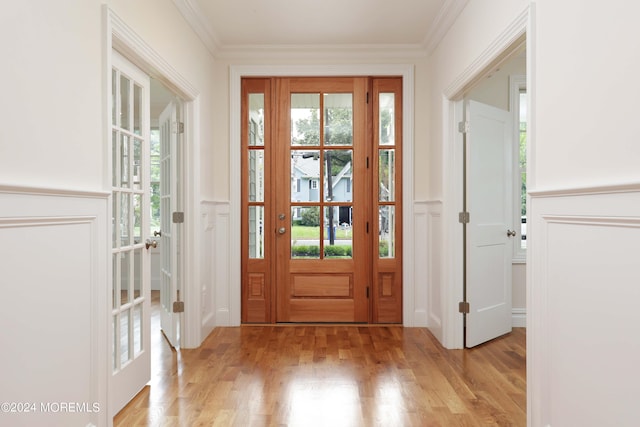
{"x":51,"y":133}
{"x":583,"y":329}
{"x":53,"y":271}
{"x":594,"y":76}
{"x":53,"y":136}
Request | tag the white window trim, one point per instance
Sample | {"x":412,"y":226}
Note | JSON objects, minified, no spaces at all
{"x":413,"y":307}
{"x":516,"y":84}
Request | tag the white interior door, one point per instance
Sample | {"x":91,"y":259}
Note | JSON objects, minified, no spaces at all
{"x":489,"y":203}
{"x":169,"y":273}
{"x":130,"y":309}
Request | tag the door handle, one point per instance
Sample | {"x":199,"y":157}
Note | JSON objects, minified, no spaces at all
{"x":282,"y":230}
{"x":151,"y":244}
{"x":511,"y":233}
{"x":157,"y":233}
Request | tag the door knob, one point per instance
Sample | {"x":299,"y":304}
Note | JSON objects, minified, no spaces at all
{"x":151,"y":244}
{"x":282,"y":230}
{"x":281,"y":217}
{"x":157,"y":233}
{"x":511,"y":233}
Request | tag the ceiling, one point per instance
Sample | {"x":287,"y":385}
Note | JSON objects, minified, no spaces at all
{"x":232,"y":25}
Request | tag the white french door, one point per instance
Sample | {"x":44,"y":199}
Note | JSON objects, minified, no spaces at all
{"x":490,"y":228}
{"x":130,"y":310}
{"x":169,"y":240}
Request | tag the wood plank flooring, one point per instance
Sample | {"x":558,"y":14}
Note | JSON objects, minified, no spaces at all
{"x":332,"y":376}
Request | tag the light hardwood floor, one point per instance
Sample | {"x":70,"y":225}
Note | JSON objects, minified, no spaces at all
{"x":332,"y":376}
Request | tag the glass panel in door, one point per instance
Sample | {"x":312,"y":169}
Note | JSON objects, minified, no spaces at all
{"x":170,"y":202}
{"x":319,"y":277}
{"x":130,"y":218}
{"x":257,"y":217}
{"x":387,"y":194}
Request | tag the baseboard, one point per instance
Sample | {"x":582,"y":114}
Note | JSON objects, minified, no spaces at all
{"x":519,"y":317}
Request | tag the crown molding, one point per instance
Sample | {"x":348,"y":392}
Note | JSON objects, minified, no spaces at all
{"x":447,"y":15}
{"x":193,"y":15}
{"x":361,"y":51}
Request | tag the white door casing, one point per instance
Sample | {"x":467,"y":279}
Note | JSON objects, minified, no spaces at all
{"x":169,"y":273}
{"x":489,"y":203}
{"x":130,"y":305}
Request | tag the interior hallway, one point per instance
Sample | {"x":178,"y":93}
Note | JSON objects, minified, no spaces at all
{"x":338,"y":375}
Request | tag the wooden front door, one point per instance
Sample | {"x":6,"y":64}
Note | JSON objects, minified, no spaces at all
{"x":321,"y":185}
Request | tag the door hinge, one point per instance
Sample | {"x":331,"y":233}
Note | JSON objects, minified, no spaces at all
{"x":367,"y":97}
{"x":178,"y":306}
{"x":463,"y":127}
{"x":367,"y":162}
{"x":367,"y":292}
{"x":463,"y":307}
{"x":367,"y":226}
{"x":463,"y":217}
{"x":178,"y":217}
{"x":178,"y":127}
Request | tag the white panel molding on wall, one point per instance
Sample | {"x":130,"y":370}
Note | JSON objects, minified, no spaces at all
{"x":425,"y":302}
{"x":583,"y":267}
{"x":207,"y":268}
{"x":418,"y":302}
{"x":219,"y":306}
{"x":434,"y":230}
{"x":53,"y":260}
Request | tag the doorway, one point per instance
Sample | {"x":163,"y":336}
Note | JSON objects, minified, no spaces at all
{"x":166,"y":157}
{"x":495,"y":198}
{"x":147,"y":187}
{"x":322,"y":200}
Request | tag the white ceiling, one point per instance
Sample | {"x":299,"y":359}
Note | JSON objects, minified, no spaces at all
{"x":227,"y":25}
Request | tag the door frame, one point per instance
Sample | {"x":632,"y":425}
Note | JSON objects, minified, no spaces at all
{"x":232,"y":315}
{"x":513,"y":38}
{"x":120,"y":37}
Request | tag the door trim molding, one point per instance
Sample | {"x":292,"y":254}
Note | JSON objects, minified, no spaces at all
{"x":496,"y":52}
{"x":236,"y":73}
{"x":121,"y":37}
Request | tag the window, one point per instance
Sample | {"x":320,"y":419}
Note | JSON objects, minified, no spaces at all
{"x":522,"y":152}
{"x":518,"y":97}
{"x":155,"y":180}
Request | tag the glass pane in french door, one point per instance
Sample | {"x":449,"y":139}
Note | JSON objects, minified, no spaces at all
{"x":321,"y":179}
{"x":130,"y":217}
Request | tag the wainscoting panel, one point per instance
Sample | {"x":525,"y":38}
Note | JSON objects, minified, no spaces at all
{"x":53,"y":321}
{"x":582,"y":314}
{"x":435,"y":245}
{"x":427,"y":266}
{"x":207,"y":269}
{"x":215,"y":261}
